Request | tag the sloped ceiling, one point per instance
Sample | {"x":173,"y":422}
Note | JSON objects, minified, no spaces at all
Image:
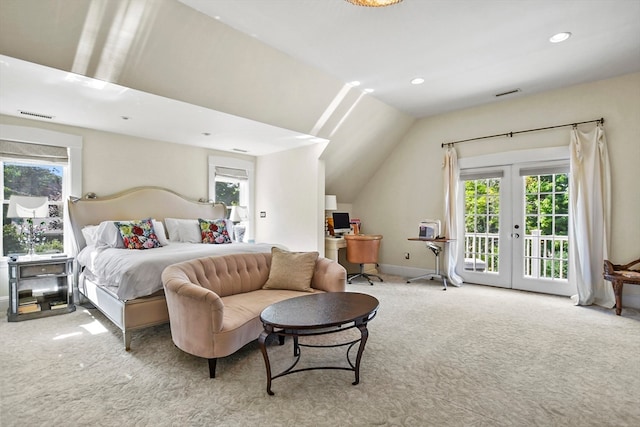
{"x":168,"y":49}
{"x":465,"y":50}
{"x":287,"y":63}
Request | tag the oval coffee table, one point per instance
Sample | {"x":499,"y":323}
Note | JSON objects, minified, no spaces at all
{"x":317,"y":314}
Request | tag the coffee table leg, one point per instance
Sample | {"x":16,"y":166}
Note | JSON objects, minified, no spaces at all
{"x":364,"y":334}
{"x":262,"y":339}
{"x":296,"y":347}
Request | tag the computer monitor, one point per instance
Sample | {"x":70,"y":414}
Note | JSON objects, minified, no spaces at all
{"x":341,"y":223}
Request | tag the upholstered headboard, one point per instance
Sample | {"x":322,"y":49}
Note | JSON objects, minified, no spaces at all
{"x":137,"y":203}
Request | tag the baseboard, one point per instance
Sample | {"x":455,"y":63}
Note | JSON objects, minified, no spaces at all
{"x":630,"y":293}
{"x":402,"y":271}
{"x":630,"y":298}
{"x":4,"y":304}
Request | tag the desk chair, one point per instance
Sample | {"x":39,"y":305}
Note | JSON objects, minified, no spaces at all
{"x":363,"y":249}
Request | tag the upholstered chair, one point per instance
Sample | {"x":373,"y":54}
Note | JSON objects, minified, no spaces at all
{"x":363,"y":249}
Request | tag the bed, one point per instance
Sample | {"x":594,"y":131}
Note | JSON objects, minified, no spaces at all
{"x":125,"y":284}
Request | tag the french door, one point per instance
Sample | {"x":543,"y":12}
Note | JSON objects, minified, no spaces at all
{"x":514,"y":226}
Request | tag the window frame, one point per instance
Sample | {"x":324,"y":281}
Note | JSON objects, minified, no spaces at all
{"x":37,"y":163}
{"x":245,"y":199}
{"x":72,"y":173}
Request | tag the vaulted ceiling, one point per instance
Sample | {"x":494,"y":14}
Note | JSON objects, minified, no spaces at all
{"x":284,"y":68}
{"x":467,"y":51}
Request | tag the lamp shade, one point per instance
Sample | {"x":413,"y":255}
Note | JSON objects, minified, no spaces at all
{"x":330,"y":202}
{"x":238,"y":213}
{"x":28,"y":207}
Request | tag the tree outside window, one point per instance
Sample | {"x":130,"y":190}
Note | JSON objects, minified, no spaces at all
{"x":31,"y":179}
{"x":228,"y":192}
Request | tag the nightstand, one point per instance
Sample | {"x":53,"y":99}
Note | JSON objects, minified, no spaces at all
{"x":40,"y":286}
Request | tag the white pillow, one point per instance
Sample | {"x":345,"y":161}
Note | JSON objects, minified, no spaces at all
{"x":172,"y":229}
{"x":188,"y":230}
{"x":184,"y":230}
{"x":158,"y":227}
{"x":108,"y":235}
{"x":90,"y":234}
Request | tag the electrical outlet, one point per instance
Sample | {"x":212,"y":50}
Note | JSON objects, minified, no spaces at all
{"x":263,"y":214}
{"x":407,"y":255}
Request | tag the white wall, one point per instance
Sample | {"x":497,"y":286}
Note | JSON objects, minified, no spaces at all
{"x":112,"y":162}
{"x":287,"y":191}
{"x":409,"y":185}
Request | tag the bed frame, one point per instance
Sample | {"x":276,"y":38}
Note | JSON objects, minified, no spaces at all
{"x":136,"y":203}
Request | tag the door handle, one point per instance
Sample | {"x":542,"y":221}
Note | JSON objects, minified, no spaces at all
{"x":515,"y":235}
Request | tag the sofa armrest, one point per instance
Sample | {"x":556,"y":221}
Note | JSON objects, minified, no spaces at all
{"x":329,"y":276}
{"x":195,"y":313}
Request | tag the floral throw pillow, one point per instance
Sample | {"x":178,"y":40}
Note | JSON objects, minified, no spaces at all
{"x":214,"y":231}
{"x":138,"y":234}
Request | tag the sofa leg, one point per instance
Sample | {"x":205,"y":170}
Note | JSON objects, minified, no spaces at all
{"x":212,"y":368}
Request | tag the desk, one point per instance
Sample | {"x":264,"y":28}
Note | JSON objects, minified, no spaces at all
{"x":431,"y":244}
{"x":332,"y":245}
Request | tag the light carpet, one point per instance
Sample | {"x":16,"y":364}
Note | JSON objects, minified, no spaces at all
{"x":470,"y":356}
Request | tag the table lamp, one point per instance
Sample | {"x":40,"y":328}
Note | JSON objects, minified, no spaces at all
{"x":29,"y":208}
{"x":237,"y":215}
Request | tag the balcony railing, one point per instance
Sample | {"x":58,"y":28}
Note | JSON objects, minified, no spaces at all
{"x":545,"y":257}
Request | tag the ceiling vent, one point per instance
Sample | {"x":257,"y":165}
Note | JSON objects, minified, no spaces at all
{"x":508,"y":93}
{"x":37,"y":115}
{"x":240,"y":150}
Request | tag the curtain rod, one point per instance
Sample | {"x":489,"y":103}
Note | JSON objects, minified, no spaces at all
{"x":510,"y":134}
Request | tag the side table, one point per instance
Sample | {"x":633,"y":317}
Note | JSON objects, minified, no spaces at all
{"x":40,"y":286}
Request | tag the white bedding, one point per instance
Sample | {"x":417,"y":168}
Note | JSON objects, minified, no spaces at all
{"x":133,"y":273}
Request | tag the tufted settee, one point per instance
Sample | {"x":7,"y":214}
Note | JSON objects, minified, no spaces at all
{"x":215,"y":302}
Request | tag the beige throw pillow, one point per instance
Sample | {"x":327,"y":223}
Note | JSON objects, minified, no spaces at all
{"x":291,"y":270}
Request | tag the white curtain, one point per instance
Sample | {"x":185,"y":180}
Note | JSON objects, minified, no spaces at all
{"x":451,"y":175}
{"x":590,"y":204}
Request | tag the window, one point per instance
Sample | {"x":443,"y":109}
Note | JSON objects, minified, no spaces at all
{"x":546,"y":222}
{"x":231,"y":183}
{"x":33,"y":179}
{"x":38,"y":162}
{"x":231,"y":186}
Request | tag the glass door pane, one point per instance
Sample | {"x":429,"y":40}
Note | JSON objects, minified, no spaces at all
{"x":485,"y":247}
{"x":542,"y":255}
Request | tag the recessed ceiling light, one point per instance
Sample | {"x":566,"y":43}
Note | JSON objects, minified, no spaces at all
{"x":368,"y":90}
{"x":560,"y":37}
{"x":417,"y":81}
{"x":354,"y":83}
